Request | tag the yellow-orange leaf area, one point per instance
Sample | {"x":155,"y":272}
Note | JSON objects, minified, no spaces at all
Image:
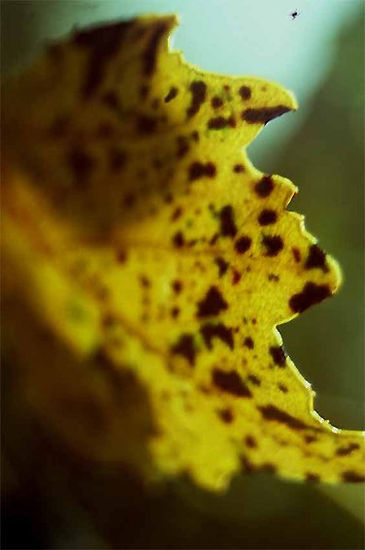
{"x":147,"y":264}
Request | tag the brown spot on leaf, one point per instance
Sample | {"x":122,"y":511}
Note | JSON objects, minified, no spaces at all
{"x":263,"y":115}
{"x":228,"y":226}
{"x":352,"y":477}
{"x":274,"y":244}
{"x":267,"y":217}
{"x":231,"y":383}
{"x":198,"y":170}
{"x":103,"y":43}
{"x":250,"y":441}
{"x":226,"y":415}
{"x":311,"y":294}
{"x":178,"y":239}
{"x":236,"y":276}
{"x":264,"y":187}
{"x":111,"y":100}
{"x":198,"y":90}
{"x":216,"y":102}
{"x":254,"y":380}
{"x":210,"y":331}
{"x":176,"y":213}
{"x":212,"y":304}
{"x":245,"y":92}
{"x":220,"y":122}
{"x":185,"y":347}
{"x":344,"y":451}
{"x":117,"y":159}
{"x":248,"y":342}
{"x":316,"y":258}
{"x":238,"y":168}
{"x":146,"y":124}
{"x":172,"y":94}
{"x":296,"y":254}
{"x":310,"y":438}
{"x":175,"y":312}
{"x":222,"y":265}
{"x":314,"y":478}
{"x":81,"y":164}
{"x":182,"y":146}
{"x":278,"y":354}
{"x":177,"y":286}
{"x":242,"y":244}
{"x":150,"y":54}
{"x":273,"y":413}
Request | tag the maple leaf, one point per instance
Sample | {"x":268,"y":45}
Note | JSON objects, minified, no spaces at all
{"x":147,"y":264}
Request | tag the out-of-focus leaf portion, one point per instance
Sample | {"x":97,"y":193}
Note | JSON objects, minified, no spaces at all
{"x":147,"y":263}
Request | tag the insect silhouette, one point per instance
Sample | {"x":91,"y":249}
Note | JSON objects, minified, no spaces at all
{"x":294,"y":14}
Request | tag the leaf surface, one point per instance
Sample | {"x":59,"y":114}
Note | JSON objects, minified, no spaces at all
{"x":141,"y":239}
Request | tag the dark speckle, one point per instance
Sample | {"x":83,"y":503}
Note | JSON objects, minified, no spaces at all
{"x":250,"y":441}
{"x":175,"y":312}
{"x":145,"y":282}
{"x":264,"y":187}
{"x":146,"y":124}
{"x":267,"y":217}
{"x":81,"y":164}
{"x":178,"y":239}
{"x":210,"y":331}
{"x":176,"y":214}
{"x":245,"y":92}
{"x":352,"y":477}
{"x":278,"y":355}
{"x":254,"y":380}
{"x":216,"y":102}
{"x":242,"y":244}
{"x":222,"y":265}
{"x":311,"y":294}
{"x":273,"y":413}
{"x":150,"y":54}
{"x":226,"y":415}
{"x":316,"y":258}
{"x":273,"y":277}
{"x":236,"y":276}
{"x":309,"y":438}
{"x":230,"y":382}
{"x":198,"y":90}
{"x":185,"y":347}
{"x":103,"y":43}
{"x":263,"y":115}
{"x":122,"y":256}
{"x":296,"y":254}
{"x":117,"y":159}
{"x":283,"y":388}
{"x":198,"y":170}
{"x":177,"y":286}
{"x":111,"y":100}
{"x":212,"y":304}
{"x":249,"y":343}
{"x":228,"y":226}
{"x":314,"y":478}
{"x":182,"y":146}
{"x":220,"y":122}
{"x":171,"y":95}
{"x":274,"y":244}
{"x":238,"y":168}
{"x":344,"y":451}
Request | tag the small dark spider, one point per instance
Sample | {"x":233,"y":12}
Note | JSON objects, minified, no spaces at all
{"x":294,"y":14}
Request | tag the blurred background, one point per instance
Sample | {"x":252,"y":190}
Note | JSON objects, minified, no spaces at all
{"x":319,"y":54}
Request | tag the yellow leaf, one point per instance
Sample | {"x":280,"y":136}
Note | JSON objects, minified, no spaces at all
{"x":142,"y":241}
